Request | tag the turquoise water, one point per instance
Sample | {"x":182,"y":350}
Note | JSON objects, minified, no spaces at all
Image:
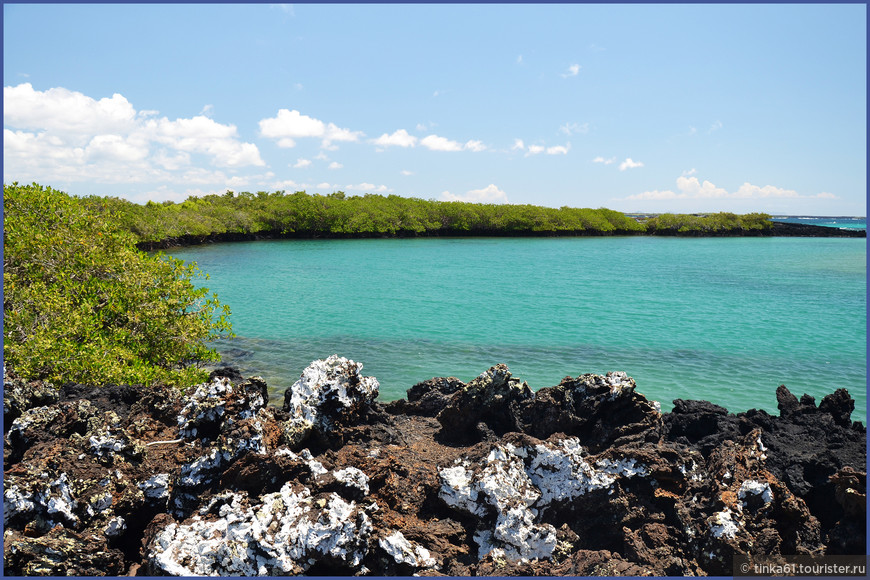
{"x":841,"y":222}
{"x":722,"y":319}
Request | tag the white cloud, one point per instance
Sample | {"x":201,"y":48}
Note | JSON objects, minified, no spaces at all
{"x":574,"y":128}
{"x":629,"y":164}
{"x":573,"y":71}
{"x":324,"y":185}
{"x":554,"y":150}
{"x":302,"y":163}
{"x":689,"y":172}
{"x":115,"y":147}
{"x":518,"y":144}
{"x":406,"y":172}
{"x":475,"y":146}
{"x":334,"y":133}
{"x":171,"y":162}
{"x":690,"y":188}
{"x":400,"y":138}
{"x":291,"y":124}
{"x":65,"y":136}
{"x":287,"y":126}
{"x":203,"y":135}
{"x":368,"y":188}
{"x":489,"y":194}
{"x":335,"y":165}
{"x":66,"y":113}
{"x":207,"y":110}
{"x":436,"y":143}
{"x":601,"y":159}
{"x":747,"y":190}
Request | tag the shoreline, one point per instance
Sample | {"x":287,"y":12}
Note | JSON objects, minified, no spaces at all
{"x":458,"y":479}
{"x":778,"y":229}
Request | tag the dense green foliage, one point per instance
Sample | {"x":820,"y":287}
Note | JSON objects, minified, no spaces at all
{"x":707,"y":224}
{"x":82,"y":304}
{"x":369,"y":215}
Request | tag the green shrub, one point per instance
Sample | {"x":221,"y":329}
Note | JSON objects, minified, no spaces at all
{"x":82,"y":304}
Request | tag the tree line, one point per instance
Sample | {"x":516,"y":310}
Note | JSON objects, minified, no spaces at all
{"x":301,"y":214}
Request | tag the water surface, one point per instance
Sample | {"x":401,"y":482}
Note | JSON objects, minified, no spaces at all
{"x":722,"y":319}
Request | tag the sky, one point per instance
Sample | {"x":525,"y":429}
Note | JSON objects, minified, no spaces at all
{"x":638,"y":108}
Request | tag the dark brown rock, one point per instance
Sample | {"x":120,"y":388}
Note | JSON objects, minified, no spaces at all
{"x":585,"y":478}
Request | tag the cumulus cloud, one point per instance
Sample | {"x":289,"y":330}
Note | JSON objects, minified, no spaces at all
{"x":604,"y":161}
{"x":335,"y":165}
{"x":368,"y":188}
{"x":629,"y":164}
{"x":63,"y":112}
{"x":405,"y":172}
{"x":302,"y":163}
{"x":572,"y":71}
{"x":287,"y":126}
{"x":489,"y":194}
{"x":436,"y":143}
{"x":537,"y":149}
{"x":400,"y":138}
{"x":475,"y":146}
{"x":63,"y":135}
{"x":691,"y":188}
{"x":518,"y":144}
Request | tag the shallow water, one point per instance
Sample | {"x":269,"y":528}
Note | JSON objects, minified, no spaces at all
{"x":722,"y":319}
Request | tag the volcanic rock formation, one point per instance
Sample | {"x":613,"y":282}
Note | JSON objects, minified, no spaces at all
{"x":484,"y":478}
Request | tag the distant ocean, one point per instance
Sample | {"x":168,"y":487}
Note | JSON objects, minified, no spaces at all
{"x":843,"y":222}
{"x":722,"y":319}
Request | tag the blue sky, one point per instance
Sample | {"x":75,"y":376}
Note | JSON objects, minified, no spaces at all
{"x":650,"y":107}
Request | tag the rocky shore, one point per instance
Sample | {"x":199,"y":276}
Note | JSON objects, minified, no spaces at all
{"x":482,"y":478}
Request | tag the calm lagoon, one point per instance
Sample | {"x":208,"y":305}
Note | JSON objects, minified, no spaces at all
{"x":721,"y":319}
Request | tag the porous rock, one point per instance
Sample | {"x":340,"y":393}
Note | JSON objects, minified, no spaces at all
{"x":585,"y":478}
{"x":602,"y":411}
{"x":489,"y":403}
{"x":330,"y":393}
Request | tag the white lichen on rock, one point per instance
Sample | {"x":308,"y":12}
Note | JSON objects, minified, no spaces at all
{"x":115,"y":527}
{"x":203,"y":469}
{"x":327,"y":390}
{"x":156,"y":486}
{"x":206,"y":405}
{"x":404,"y":551}
{"x":17,"y":502}
{"x":522,"y":482}
{"x":755,"y":488}
{"x":722,"y":525}
{"x":354,"y":478}
{"x":286,"y":533}
{"x":105,"y":445}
